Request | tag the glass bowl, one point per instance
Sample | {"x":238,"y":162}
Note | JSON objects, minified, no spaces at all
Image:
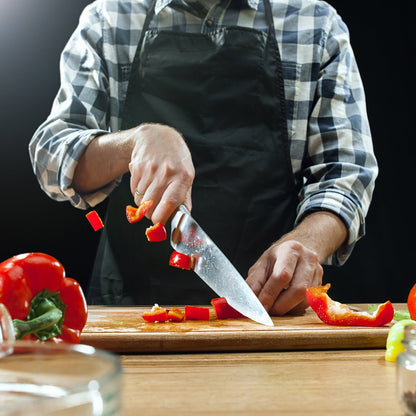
{"x":56,"y":379}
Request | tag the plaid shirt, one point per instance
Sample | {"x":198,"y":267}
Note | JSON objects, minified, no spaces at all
{"x":330,"y":140}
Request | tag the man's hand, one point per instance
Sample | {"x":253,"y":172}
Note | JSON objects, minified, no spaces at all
{"x":285,"y":270}
{"x":282,"y":274}
{"x":159,"y":162}
{"x":161,"y":170}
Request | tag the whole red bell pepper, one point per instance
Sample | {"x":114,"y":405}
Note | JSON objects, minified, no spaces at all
{"x":335,"y":313}
{"x":224,"y":310}
{"x":43,"y":303}
{"x":411,"y":302}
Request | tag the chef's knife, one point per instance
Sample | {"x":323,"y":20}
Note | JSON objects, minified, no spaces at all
{"x":213,"y":267}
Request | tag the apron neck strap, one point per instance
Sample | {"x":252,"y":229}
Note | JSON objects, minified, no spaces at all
{"x":269,"y":17}
{"x":146,"y":23}
{"x":267,"y":10}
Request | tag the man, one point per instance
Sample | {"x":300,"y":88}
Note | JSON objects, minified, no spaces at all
{"x":250,"y":112}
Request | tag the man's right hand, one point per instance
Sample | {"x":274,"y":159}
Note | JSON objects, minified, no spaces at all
{"x":161,"y":170}
{"x":159,"y":162}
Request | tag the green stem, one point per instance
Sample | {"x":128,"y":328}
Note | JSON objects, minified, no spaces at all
{"x":42,"y":322}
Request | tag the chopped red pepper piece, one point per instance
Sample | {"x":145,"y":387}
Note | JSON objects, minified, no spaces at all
{"x":134,"y":214}
{"x":156,"y":233}
{"x":180,"y":260}
{"x":335,"y":313}
{"x":196,"y":313}
{"x":224,"y":310}
{"x":41,"y":300}
{"x":156,"y":314}
{"x":94,"y":220}
{"x":175,"y":314}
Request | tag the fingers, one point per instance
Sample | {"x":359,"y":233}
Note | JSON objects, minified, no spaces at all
{"x":170,"y":199}
{"x":167,"y":194}
{"x":282,"y":275}
{"x":258,"y":273}
{"x":293,"y":300}
{"x":307,"y":273}
{"x":161,"y":170}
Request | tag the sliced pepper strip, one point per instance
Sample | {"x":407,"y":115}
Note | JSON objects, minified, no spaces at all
{"x":224,"y":310}
{"x":336,"y":313}
{"x":196,"y":313}
{"x":156,"y":233}
{"x":180,"y":260}
{"x":134,"y":214}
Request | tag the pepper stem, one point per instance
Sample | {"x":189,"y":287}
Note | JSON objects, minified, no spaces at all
{"x":40,"y":323}
{"x":45,"y":317}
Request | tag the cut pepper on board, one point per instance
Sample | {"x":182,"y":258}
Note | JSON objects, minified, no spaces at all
{"x":156,"y":233}
{"x":43,"y":303}
{"x":336,"y":313}
{"x":176,"y":315}
{"x":156,"y":314}
{"x":134,"y":214}
{"x":95,"y":220}
{"x":196,"y":313}
{"x":224,"y":310}
{"x":399,"y":314}
{"x":180,"y":260}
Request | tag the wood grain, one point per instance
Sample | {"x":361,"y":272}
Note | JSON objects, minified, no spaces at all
{"x":297,"y":383}
{"x":121,"y":329}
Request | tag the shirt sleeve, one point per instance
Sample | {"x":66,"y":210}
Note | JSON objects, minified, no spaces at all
{"x":340,"y":168}
{"x":78,"y":115}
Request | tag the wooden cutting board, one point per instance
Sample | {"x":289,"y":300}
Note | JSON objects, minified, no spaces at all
{"x":123,"y":330}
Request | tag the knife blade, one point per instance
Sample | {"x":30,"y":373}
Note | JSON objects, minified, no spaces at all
{"x":214,"y":268}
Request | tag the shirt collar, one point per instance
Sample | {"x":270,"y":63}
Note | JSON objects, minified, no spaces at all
{"x":161,"y":4}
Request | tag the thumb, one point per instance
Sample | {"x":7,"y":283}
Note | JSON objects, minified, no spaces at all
{"x":188,"y":199}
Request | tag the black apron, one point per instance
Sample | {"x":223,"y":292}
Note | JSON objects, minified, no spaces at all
{"x":224,"y":92}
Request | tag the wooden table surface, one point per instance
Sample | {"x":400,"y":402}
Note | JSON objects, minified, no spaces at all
{"x":299,"y":367}
{"x":297,"y":383}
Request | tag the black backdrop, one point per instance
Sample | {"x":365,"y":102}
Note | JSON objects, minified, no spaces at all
{"x":32,"y":35}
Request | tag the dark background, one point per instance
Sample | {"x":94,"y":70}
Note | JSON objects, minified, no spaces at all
{"x":34,"y":32}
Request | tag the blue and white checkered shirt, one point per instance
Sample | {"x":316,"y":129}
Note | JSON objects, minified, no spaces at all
{"x":330,"y":140}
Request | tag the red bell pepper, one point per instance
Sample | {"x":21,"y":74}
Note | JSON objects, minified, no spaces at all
{"x":411,"y":302}
{"x":335,"y":313}
{"x":175,"y":315}
{"x":224,"y":310}
{"x":156,"y":314}
{"x":41,"y":300}
{"x":196,"y":313}
{"x":156,"y":233}
{"x":180,"y":260}
{"x":134,"y":214}
{"x":94,"y":220}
